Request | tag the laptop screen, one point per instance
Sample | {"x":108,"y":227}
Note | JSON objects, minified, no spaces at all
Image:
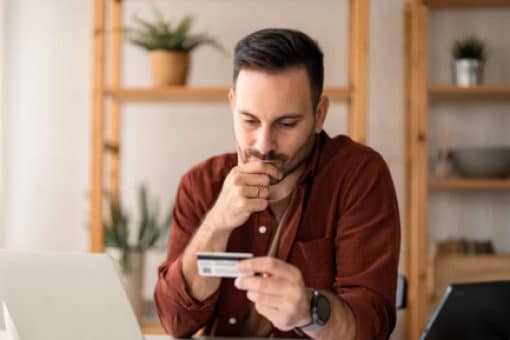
{"x":472,"y":311}
{"x":64,"y":296}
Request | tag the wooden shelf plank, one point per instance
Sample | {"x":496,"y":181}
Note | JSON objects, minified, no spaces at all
{"x":484,"y":91}
{"x":170,"y":94}
{"x":466,"y":3}
{"x":197,"y":94}
{"x":463,"y":183}
{"x":152,"y":328}
{"x":466,"y":268}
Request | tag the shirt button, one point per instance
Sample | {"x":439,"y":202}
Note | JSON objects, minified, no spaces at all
{"x":262,"y":229}
{"x":232,"y":321}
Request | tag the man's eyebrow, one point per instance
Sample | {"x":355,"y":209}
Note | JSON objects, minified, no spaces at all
{"x":282,"y":117}
{"x":246,"y":113}
{"x":290,"y":116}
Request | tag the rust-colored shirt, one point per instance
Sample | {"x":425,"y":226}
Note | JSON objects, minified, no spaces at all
{"x":342,"y":232}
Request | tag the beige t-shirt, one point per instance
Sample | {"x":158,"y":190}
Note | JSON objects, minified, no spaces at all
{"x":257,"y":325}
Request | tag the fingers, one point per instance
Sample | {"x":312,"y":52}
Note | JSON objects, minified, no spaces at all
{"x":269,"y":312}
{"x":266,"y":292}
{"x":282,"y":302}
{"x":270,"y":265}
{"x":260,"y":167}
{"x":260,"y":284}
{"x":261,"y":299}
{"x":255,"y":192}
{"x":253,"y":179}
{"x":278,"y":319}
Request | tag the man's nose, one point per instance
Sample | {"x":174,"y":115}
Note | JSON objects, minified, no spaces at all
{"x":264,"y":142}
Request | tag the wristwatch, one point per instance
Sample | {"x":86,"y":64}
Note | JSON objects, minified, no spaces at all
{"x":320,"y":311}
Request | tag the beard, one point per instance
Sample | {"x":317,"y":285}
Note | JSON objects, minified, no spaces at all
{"x":280,"y":160}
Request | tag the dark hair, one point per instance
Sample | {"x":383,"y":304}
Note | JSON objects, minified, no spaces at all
{"x":276,"y":49}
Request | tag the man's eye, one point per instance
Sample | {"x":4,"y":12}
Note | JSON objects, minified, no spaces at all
{"x":288,"y":124}
{"x":250,"y":121}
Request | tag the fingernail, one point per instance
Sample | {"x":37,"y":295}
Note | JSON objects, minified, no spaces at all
{"x":236,"y":282}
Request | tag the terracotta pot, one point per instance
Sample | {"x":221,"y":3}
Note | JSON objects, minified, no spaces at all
{"x":169,"y":68}
{"x":132,"y":280}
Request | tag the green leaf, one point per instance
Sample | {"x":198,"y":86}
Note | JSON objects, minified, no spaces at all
{"x":144,"y":212}
{"x":470,"y":47}
{"x":149,"y":27}
{"x":197,"y":40}
{"x":159,"y":35}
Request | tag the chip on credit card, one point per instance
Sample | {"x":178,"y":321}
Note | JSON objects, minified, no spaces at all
{"x":221,"y":264}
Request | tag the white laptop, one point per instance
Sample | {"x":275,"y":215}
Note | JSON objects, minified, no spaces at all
{"x":63,"y":296}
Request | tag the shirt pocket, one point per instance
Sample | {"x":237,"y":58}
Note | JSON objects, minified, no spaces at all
{"x":316,"y":261}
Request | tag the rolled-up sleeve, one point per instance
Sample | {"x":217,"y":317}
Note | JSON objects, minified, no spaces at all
{"x":368,"y":244}
{"x":180,"y":314}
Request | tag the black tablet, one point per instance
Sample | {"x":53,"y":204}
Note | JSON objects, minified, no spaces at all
{"x":472,"y":311}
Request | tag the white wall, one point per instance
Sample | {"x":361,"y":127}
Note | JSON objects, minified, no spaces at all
{"x":386,"y":103}
{"x":2,"y":125}
{"x":48,"y":53}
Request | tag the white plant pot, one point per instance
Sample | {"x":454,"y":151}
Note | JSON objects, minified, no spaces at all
{"x":467,"y":72}
{"x":133,"y":280}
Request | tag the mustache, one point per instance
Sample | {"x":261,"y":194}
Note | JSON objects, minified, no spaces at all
{"x":270,"y":156}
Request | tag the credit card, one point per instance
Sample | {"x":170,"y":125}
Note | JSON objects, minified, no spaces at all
{"x":220,"y":264}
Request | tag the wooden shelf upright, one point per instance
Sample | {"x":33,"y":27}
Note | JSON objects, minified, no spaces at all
{"x":417,"y":98}
{"x":108,"y":99}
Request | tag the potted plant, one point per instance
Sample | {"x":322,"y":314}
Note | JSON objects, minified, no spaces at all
{"x":130,"y":256}
{"x":169,"y":47}
{"x":470,"y":55}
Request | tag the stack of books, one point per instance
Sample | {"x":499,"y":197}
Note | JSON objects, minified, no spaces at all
{"x":465,"y":247}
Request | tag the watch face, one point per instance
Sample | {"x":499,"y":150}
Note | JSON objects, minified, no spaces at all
{"x":323,"y":309}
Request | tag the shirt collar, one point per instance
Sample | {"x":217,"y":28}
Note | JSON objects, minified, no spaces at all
{"x":313,"y":162}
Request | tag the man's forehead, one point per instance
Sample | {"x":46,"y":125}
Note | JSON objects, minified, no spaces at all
{"x":281,"y":93}
{"x":296,"y":74}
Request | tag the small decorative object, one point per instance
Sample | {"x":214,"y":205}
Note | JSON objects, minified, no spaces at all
{"x":130,"y":256}
{"x":169,"y":47}
{"x":470,"y":55}
{"x":464,"y":246}
{"x":482,"y":162}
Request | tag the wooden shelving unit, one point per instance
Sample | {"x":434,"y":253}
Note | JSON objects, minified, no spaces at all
{"x":107,"y":101}
{"x":470,"y":184}
{"x":197,"y":94}
{"x":467,"y":268}
{"x":419,"y":94}
{"x":488,"y":92}
{"x":432,"y":4}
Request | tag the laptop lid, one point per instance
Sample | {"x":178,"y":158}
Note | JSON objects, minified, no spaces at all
{"x":472,"y":311}
{"x":63,"y":296}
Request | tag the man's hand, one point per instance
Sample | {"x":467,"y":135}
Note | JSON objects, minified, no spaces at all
{"x":244,"y":192}
{"x":279,"y":293}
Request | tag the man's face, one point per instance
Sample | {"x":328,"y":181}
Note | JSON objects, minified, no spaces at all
{"x":273,"y":117}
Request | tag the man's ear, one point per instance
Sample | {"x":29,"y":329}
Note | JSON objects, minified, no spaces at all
{"x":231,"y":98}
{"x":320,"y":113}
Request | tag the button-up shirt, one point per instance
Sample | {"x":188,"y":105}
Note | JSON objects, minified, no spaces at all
{"x":342,"y":232}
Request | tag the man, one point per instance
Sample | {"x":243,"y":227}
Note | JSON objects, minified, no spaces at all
{"x":319,"y":214}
